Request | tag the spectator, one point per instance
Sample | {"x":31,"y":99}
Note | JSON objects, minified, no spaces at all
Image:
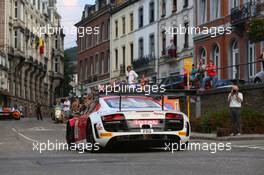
{"x":235,"y":100}
{"x":75,"y":105}
{"x":131,"y":75}
{"x":201,"y":70}
{"x":143,"y":80}
{"x":211,"y":74}
{"x":38,"y":111}
{"x":193,"y":76}
{"x":66,"y":107}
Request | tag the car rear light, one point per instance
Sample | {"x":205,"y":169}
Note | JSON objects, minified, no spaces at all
{"x":114,"y":117}
{"x":172,"y":116}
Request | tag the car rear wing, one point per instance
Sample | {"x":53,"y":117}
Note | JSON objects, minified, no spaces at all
{"x":167,"y":93}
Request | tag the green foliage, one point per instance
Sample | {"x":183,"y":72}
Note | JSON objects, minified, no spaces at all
{"x":67,"y":76}
{"x":251,"y":121}
{"x":256,"y":30}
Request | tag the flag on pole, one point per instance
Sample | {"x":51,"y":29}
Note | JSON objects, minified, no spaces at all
{"x":41,"y":46}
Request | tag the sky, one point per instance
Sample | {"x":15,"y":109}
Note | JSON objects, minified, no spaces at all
{"x":71,"y":12}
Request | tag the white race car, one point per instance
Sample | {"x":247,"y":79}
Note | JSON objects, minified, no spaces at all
{"x":139,"y":119}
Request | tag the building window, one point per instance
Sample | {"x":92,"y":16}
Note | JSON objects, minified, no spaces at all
{"x":140,"y":47}
{"x":215,"y":12}
{"x":175,"y":38}
{"x":102,"y":32}
{"x":151,"y":12}
{"x":102,"y":63}
{"x":216,"y":57}
{"x":186,"y":3}
{"x":174,"y":5}
{"x":131,"y":22}
{"x":15,"y":38}
{"x":131,"y":52}
{"x":116,"y":59}
{"x":203,"y":54}
{"x":152,"y":45}
{"x":97,"y":64}
{"x":234,"y":3}
{"x":163,"y":8}
{"x":16,"y":9}
{"x":92,"y":65}
{"x":186,"y":35}
{"x":124,"y":58}
{"x":251,"y":59}
{"x":80,"y":75}
{"x":124,"y":25}
{"x":116,"y":29}
{"x":107,"y":62}
{"x":202,"y":11}
{"x":163,"y":40}
{"x":85,"y":69}
{"x":141,"y":17}
{"x":234,"y":59}
{"x":108,"y":30}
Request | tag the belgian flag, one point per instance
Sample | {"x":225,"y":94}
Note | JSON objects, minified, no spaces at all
{"x":41,"y":46}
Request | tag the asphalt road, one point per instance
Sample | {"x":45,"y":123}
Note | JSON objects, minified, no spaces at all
{"x":19,"y":157}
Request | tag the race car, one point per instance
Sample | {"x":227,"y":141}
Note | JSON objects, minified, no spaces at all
{"x":9,"y":113}
{"x":128,"y":119}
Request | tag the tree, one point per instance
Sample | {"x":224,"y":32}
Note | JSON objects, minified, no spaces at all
{"x":67,"y":88}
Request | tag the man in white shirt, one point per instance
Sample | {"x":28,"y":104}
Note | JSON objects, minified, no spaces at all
{"x":66,"y":107}
{"x":132,"y":75}
{"x":235,"y":100}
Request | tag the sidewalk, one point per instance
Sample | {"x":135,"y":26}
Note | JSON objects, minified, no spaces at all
{"x":212,"y":136}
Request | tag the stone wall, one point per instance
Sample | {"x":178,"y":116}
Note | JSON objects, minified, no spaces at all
{"x":216,"y":100}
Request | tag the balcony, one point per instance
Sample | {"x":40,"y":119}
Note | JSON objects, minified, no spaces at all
{"x":144,"y":63}
{"x":241,"y":14}
{"x":168,"y":55}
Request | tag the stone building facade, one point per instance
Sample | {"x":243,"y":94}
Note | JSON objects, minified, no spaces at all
{"x":32,"y":54}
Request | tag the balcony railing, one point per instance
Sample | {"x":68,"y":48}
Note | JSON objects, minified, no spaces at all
{"x":145,"y":62}
{"x":241,"y":13}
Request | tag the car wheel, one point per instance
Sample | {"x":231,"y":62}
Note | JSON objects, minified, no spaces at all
{"x":70,"y":135}
{"x":258,"y":81}
{"x":90,"y":137}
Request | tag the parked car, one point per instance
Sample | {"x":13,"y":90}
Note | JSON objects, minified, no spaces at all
{"x":259,"y":77}
{"x":9,"y":113}
{"x":174,"y":82}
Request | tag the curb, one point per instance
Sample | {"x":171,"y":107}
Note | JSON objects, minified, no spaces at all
{"x":228,"y":138}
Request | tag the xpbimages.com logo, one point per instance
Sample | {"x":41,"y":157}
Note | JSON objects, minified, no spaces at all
{"x":62,"y":146}
{"x":118,"y":88}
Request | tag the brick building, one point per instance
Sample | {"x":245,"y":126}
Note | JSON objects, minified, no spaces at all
{"x":31,"y":62}
{"x":94,"y":47}
{"x":229,"y":49}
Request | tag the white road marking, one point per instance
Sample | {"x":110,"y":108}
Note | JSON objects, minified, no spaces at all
{"x":83,"y":160}
{"x":249,"y":146}
{"x":25,"y":137}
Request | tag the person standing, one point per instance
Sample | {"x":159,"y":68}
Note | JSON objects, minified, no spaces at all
{"x":201,"y":70}
{"x":66,"y":107}
{"x":235,"y":99}
{"x":193,"y":76}
{"x":211,"y":74}
{"x":131,"y":76}
{"x":38,"y":111}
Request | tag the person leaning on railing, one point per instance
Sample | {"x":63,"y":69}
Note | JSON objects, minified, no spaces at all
{"x":211,"y":74}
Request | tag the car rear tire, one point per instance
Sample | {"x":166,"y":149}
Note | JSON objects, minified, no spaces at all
{"x":70,"y":135}
{"x":90,"y":138}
